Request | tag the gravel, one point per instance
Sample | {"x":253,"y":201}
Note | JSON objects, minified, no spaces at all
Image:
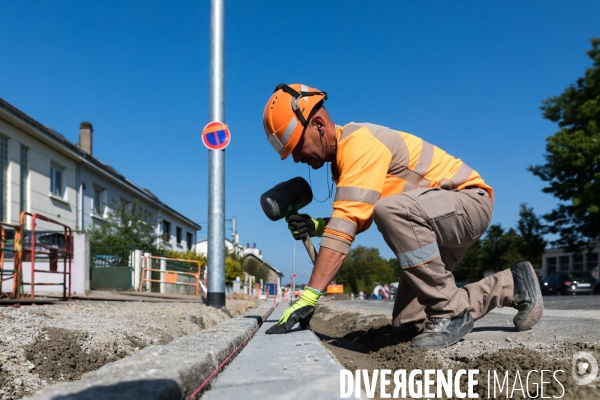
{"x":44,"y":344}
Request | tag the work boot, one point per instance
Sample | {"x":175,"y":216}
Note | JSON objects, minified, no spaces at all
{"x":444,"y":332}
{"x":406,"y":332}
{"x":527,"y":297}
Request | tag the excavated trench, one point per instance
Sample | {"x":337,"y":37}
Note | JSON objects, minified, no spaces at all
{"x":367,"y":342}
{"x":43,"y":345}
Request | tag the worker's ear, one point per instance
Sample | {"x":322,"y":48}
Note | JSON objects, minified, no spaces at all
{"x":319,"y":123}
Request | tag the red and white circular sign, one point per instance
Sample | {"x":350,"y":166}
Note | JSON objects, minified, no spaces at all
{"x":216,"y":135}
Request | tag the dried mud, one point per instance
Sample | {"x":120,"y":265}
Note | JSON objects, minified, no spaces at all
{"x":367,"y":342}
{"x":57,"y":355}
{"x":43,"y":345}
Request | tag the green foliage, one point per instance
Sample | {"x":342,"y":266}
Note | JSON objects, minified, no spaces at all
{"x":233,"y":269}
{"x":125,"y":226}
{"x":362,"y":268}
{"x":255,"y":268}
{"x":572,"y":167}
{"x":532,"y":232}
{"x":395,"y":264}
{"x":184,"y":255}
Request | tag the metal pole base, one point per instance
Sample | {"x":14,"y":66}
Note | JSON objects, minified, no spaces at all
{"x":215,"y":299}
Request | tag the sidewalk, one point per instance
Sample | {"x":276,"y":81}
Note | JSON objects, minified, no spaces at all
{"x":279,"y":367}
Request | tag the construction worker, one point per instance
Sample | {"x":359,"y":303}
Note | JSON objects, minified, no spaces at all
{"x":429,"y":207}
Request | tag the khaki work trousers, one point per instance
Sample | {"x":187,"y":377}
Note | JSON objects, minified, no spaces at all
{"x":430,"y":230}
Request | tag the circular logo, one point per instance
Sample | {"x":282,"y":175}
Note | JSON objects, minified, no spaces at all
{"x":216,"y":136}
{"x":581,"y":369}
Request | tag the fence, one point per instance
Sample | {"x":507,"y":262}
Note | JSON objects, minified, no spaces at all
{"x":54,"y":245}
{"x":10,"y":236}
{"x":172,"y":271}
{"x":111,"y":268}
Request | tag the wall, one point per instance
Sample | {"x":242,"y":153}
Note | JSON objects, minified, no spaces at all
{"x":40,"y":158}
{"x":80,"y":267}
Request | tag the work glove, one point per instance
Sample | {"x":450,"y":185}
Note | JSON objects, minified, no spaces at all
{"x":302,"y":311}
{"x":302,"y":225}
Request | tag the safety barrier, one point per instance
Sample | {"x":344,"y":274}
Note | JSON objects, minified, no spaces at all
{"x":171,"y":276}
{"x":15,"y":272}
{"x":58,"y":246}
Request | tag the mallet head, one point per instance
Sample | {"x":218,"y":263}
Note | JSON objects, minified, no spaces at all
{"x":286,"y":198}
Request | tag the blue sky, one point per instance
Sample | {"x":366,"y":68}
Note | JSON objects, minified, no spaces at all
{"x":468,"y":77}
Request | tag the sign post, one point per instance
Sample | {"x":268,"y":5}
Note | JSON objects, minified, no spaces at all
{"x":215,"y":296}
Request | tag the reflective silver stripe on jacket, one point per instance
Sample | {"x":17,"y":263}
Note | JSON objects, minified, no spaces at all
{"x":424,"y":159}
{"x":342,"y":225}
{"x":352,"y":193}
{"x":461,"y":175}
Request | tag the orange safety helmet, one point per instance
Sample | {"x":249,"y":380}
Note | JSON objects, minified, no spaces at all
{"x":286,"y":115}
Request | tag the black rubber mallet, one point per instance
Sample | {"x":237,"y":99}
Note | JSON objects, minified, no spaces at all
{"x":285,"y":199}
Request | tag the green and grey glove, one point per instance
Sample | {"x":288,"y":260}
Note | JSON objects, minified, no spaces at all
{"x":301,"y":311}
{"x":302,"y":225}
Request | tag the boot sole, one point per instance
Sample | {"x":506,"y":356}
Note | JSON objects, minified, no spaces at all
{"x":536,"y":311}
{"x":466,"y":329}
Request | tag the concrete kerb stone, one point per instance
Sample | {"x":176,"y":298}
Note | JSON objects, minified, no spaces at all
{"x":172,"y":371}
{"x":276,"y":366}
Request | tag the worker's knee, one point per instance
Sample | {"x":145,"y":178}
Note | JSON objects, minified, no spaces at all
{"x":383,"y":208}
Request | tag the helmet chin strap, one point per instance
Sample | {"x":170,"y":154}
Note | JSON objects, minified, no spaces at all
{"x":329,"y":187}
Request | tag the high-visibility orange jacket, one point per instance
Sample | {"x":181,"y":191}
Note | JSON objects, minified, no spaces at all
{"x":372,"y":162}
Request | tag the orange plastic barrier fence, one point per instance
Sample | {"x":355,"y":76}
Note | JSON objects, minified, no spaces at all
{"x":335,"y":289}
{"x":15,"y":272}
{"x":170,"y":277}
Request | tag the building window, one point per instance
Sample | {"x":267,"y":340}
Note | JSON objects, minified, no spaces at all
{"x":563,"y":263}
{"x":592,"y":261}
{"x":551,"y":263}
{"x":166,"y":230}
{"x":179,"y":234}
{"x":99,"y":205}
{"x":577,"y":262}
{"x":3,"y":175}
{"x":23,"y":178}
{"x":56,"y":181}
{"x":189,"y":240}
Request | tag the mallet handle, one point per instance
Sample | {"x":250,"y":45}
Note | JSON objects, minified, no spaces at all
{"x":312,"y":253}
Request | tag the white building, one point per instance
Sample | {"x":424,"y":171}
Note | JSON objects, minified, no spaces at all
{"x":557,"y":260}
{"x":42,"y":172}
{"x":202,"y":248}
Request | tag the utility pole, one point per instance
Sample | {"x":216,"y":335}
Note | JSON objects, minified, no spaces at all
{"x":216,"y":160}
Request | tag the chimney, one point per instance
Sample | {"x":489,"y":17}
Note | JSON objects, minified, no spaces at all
{"x":254,"y":245}
{"x":85,"y":137}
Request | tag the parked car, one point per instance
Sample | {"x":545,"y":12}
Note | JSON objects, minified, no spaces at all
{"x":562,"y":283}
{"x":596,"y":289}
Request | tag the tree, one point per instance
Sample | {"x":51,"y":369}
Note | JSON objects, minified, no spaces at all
{"x":532,"y":230}
{"x":125,"y":226}
{"x":470,"y":266}
{"x":363,"y":267}
{"x":500,"y":249}
{"x":572,"y":167}
{"x":233,"y":266}
{"x":256,"y":268}
{"x":233,"y":269}
{"x":496,"y":251}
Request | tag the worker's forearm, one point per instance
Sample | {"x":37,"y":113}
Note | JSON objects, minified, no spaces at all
{"x":327,"y":265}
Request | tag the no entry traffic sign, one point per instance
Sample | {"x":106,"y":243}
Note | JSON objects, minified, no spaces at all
{"x":216,"y":136}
